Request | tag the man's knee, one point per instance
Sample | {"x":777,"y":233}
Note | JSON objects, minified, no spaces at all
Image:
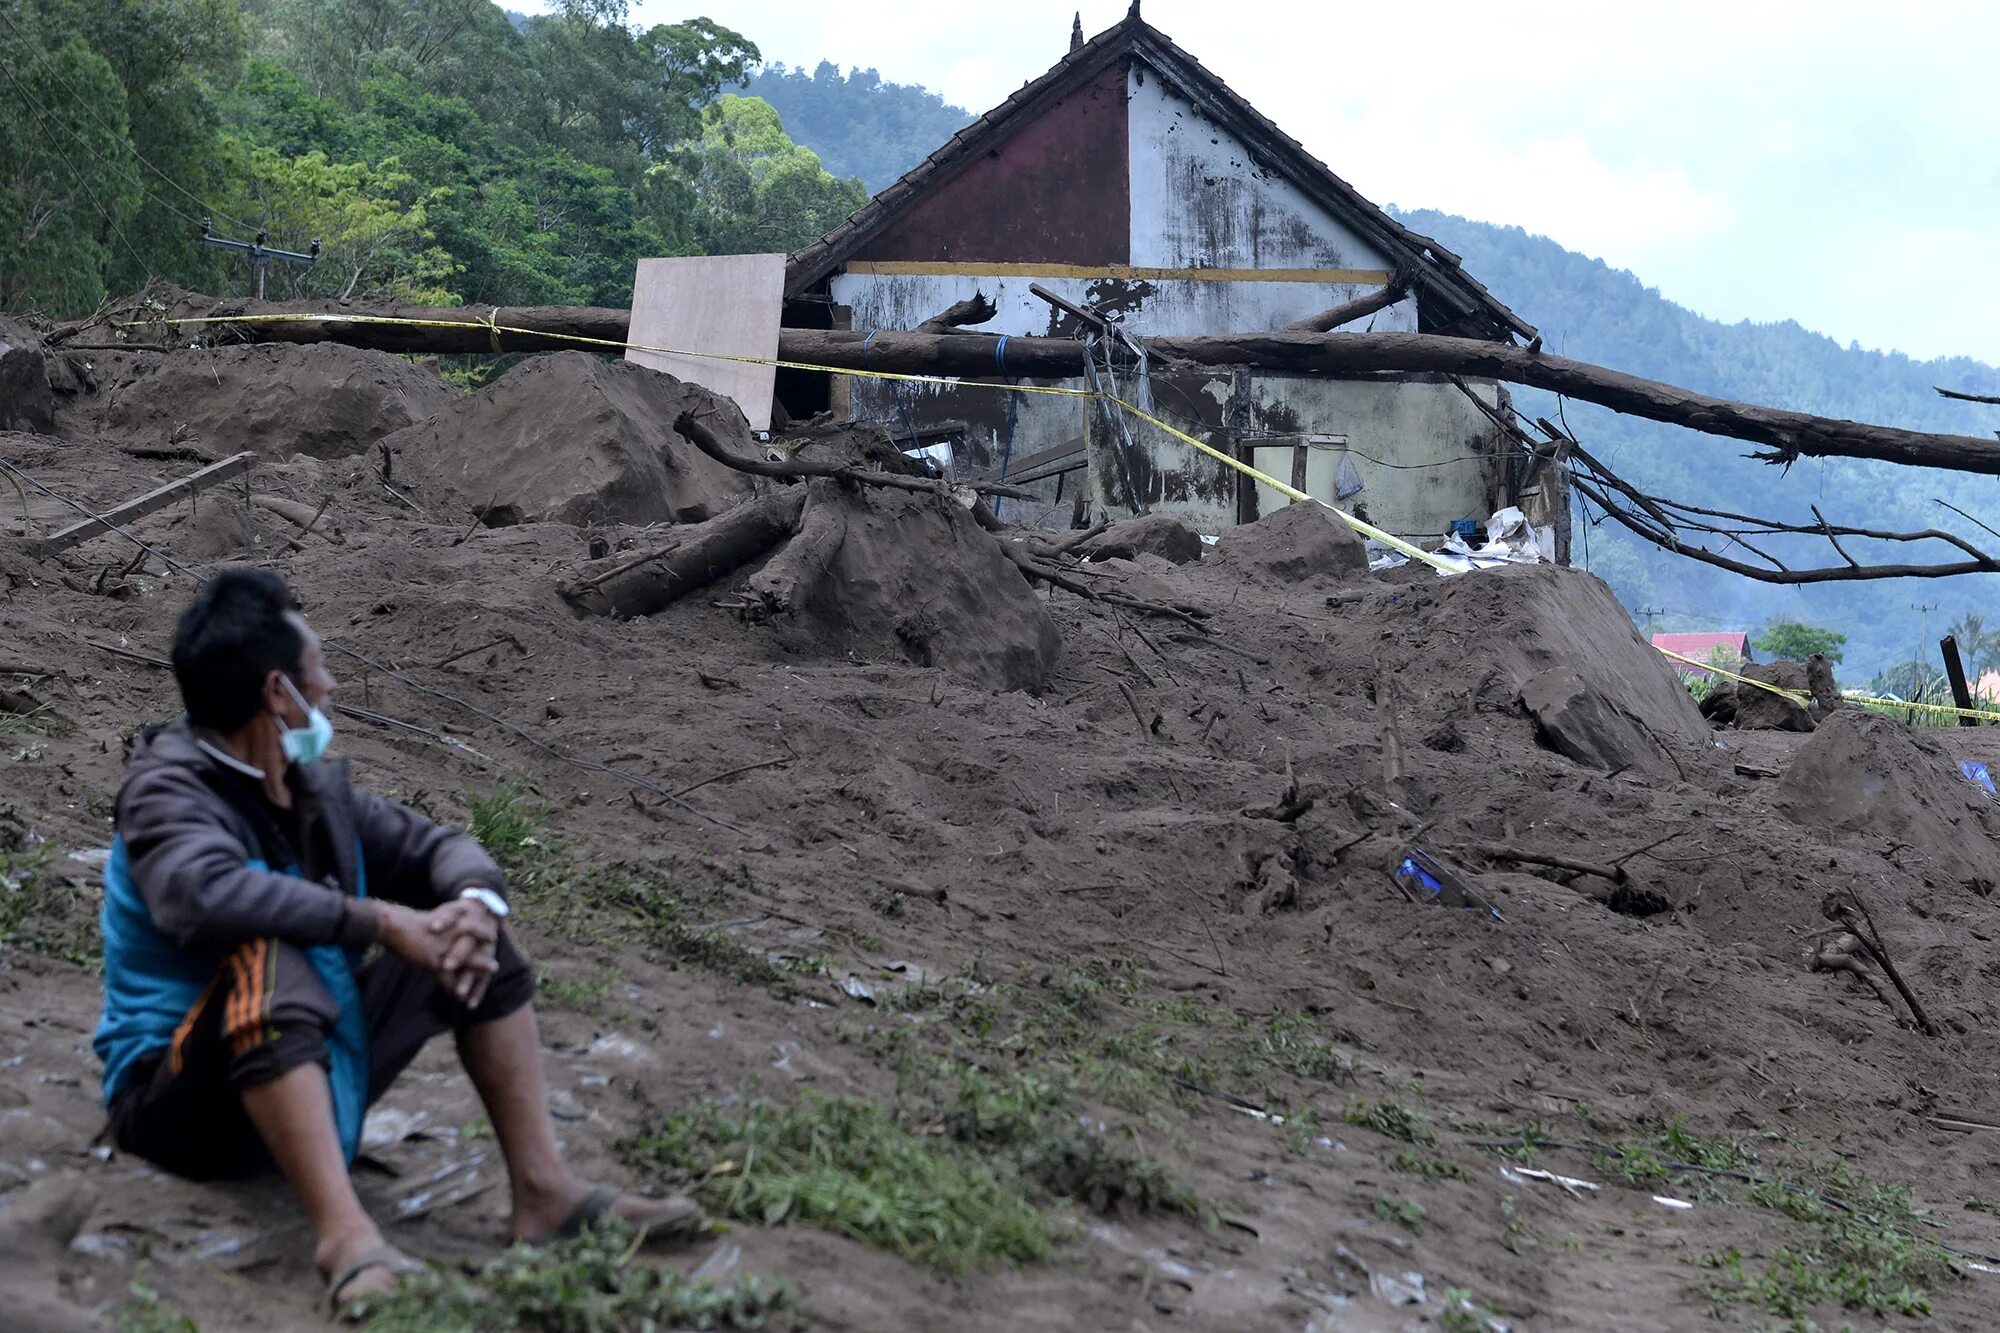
{"x":277,"y":1012}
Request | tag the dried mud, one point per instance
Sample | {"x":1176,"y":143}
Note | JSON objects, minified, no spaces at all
{"x":1186,"y":844}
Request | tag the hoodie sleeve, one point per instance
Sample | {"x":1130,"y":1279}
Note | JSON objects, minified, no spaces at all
{"x":195,"y":876}
{"x":414,"y":861}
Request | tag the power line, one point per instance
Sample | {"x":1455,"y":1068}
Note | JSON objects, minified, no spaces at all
{"x":43,"y":117}
{"x":585,"y":765}
{"x":92,"y":113}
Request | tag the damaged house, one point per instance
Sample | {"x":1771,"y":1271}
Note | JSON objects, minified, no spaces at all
{"x":1129,"y":190}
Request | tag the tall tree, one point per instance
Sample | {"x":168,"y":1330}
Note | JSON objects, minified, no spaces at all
{"x":68,"y":188}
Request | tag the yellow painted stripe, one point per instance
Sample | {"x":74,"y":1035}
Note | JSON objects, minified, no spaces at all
{"x":1373,"y":277}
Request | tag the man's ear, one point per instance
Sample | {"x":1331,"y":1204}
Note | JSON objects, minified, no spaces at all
{"x":274,"y":692}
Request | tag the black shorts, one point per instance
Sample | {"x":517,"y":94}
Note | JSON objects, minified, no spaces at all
{"x":266,"y":1013}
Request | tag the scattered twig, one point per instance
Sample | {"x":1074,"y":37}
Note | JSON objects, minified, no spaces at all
{"x":305,"y":532}
{"x":1137,"y":715}
{"x":741,"y":768}
{"x":504,"y":638}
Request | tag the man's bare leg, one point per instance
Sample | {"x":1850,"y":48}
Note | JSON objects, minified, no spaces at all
{"x":504,"y":1059}
{"x":294,"y":1115}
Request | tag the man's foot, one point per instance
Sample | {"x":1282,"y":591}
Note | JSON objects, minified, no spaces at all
{"x":359,"y":1265}
{"x":564,"y":1215}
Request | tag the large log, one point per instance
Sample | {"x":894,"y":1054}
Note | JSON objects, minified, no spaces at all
{"x":1789,"y":434}
{"x":624,"y":587}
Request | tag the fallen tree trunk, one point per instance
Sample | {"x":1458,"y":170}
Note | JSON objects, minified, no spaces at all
{"x":1326,"y":321}
{"x":625,"y":587}
{"x":1790,"y":435}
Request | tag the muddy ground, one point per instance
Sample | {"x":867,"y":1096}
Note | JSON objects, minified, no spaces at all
{"x":903,"y":889}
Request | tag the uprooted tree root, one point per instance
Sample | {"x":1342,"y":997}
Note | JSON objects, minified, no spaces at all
{"x":801,"y":536}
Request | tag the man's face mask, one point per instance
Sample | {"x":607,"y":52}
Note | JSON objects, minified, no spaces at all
{"x":303,"y":745}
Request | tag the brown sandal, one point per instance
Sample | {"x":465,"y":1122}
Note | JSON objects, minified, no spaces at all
{"x":382,"y":1256}
{"x":673,"y":1216}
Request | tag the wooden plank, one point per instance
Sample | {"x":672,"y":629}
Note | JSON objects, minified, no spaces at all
{"x":1954,"y":671}
{"x":723,"y":305}
{"x":1376,"y":277}
{"x":132,"y":510}
{"x":1069,"y":455}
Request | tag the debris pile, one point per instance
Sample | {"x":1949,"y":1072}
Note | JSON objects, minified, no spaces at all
{"x":846,"y":782}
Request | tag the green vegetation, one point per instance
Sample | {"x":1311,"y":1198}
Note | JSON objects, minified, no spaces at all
{"x":1790,"y":641}
{"x":597,"y":903}
{"x":859,"y":125}
{"x":142,"y":1311}
{"x":1404,"y":1213}
{"x":48,"y":911}
{"x":586,"y":1285}
{"x":438,"y":151}
{"x":1392,"y":1120}
{"x":850,"y":1166}
{"x":1430,"y":1168}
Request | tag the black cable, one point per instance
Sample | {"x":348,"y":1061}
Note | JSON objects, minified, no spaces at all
{"x":585,"y":765}
{"x":43,"y":117}
{"x":92,"y":112}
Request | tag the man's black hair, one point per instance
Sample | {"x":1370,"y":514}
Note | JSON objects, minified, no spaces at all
{"x":229,"y":639}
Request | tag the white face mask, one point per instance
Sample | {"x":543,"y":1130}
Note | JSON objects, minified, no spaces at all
{"x":303,"y":745}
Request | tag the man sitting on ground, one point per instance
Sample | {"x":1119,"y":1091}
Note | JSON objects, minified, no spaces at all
{"x":249,"y":1020}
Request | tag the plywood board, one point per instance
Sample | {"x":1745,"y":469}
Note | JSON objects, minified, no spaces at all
{"x":721,"y":305}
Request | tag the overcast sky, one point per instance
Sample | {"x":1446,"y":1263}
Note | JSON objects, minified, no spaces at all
{"x":1833,"y":162}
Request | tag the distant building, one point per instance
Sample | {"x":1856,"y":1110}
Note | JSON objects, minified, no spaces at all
{"x":1131,"y":182}
{"x":1701,"y":647}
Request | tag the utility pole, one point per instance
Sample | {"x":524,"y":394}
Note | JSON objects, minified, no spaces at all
{"x":1923,"y":673}
{"x":1649,"y":612}
{"x":260,"y":254}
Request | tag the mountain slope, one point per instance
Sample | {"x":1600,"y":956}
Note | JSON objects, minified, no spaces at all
{"x":1588,"y":310}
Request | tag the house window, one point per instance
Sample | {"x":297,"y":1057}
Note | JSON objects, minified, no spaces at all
{"x":1309,"y":463}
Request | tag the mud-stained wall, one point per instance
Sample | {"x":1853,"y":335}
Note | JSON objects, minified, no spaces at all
{"x":1153,"y":307}
{"x":1201,"y":200}
{"x":1424,"y":454}
{"x":1200,"y":227}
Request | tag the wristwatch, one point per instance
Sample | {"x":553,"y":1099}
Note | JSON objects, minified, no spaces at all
{"x":489,"y":900}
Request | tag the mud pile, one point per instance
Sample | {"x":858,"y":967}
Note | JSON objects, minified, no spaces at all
{"x":1298,"y":542}
{"x":571,"y":438}
{"x":322,"y":401}
{"x":876,"y":574}
{"x":1865,"y":774}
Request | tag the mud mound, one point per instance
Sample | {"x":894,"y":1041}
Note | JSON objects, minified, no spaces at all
{"x":1550,"y":639}
{"x":1868,"y":774}
{"x":853,"y":443}
{"x":1162,"y":535}
{"x":878,"y":573}
{"x":1300,"y":541}
{"x":327,"y":401}
{"x":568,"y":438}
{"x":26,"y":401}
{"x":1750,"y":709}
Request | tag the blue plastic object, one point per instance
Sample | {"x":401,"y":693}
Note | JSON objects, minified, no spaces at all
{"x":1975,"y":773}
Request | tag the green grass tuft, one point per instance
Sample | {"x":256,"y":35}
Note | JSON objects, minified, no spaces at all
{"x":848,"y":1166}
{"x":584,"y":1286}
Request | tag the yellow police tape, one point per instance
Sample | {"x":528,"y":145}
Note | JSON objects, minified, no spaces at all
{"x":494,"y":329}
{"x":1804,"y":700}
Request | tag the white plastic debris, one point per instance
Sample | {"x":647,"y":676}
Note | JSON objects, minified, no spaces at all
{"x":1665,"y":1202}
{"x":1568,"y":1184}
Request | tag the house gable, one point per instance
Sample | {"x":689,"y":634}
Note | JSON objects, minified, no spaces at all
{"x":1054,"y":190}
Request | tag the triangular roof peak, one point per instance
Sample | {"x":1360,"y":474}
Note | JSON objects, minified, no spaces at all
{"x":1448,"y":295}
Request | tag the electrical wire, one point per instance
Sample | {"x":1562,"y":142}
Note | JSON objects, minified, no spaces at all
{"x":42,"y":117}
{"x":584,"y":765}
{"x":208,"y":209}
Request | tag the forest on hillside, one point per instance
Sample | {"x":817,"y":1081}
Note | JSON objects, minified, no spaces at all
{"x":439,"y":150}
